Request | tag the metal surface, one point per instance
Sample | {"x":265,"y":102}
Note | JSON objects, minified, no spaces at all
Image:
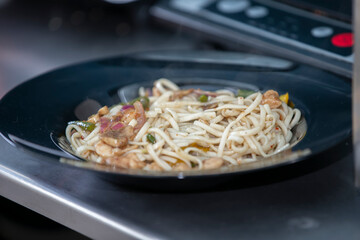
{"x":227,"y":58}
{"x":43,"y":198}
{"x":320,"y":204}
{"x":356,"y":94}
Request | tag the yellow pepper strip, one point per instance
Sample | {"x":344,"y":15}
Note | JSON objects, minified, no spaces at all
{"x":285,"y":98}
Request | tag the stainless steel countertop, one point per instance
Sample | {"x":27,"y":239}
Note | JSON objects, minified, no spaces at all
{"x":318,"y":204}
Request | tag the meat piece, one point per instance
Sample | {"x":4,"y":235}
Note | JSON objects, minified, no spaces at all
{"x":213,"y":163}
{"x":128,"y":131}
{"x":271,"y":97}
{"x":115,"y":142}
{"x":136,"y":113}
{"x":118,"y":138}
{"x":181,"y":93}
{"x":128,"y":115}
{"x":117,"y":117}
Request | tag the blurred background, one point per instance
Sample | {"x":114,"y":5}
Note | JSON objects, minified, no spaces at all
{"x":39,"y":36}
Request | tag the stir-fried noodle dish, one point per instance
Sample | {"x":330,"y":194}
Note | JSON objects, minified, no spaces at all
{"x":167,"y":128}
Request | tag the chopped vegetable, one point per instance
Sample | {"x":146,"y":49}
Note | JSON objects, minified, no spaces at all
{"x":104,"y":124}
{"x":193,"y":164}
{"x":291,"y":104}
{"x":203,"y":98}
{"x":150,"y":138}
{"x":144,"y":101}
{"x":127,"y":107}
{"x":244,"y":93}
{"x":84,"y":125}
{"x":285,"y":98}
{"x":117,"y":126}
{"x":148,"y":92}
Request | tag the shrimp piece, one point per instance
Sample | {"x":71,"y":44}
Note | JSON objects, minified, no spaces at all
{"x":271,"y":97}
{"x":103,"y":149}
{"x":181,"y":166}
{"x":103,"y":111}
{"x":213,"y":163}
{"x":154,"y":167}
{"x":94,"y":118}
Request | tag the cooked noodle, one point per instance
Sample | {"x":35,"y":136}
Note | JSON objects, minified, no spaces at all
{"x":187,"y":133}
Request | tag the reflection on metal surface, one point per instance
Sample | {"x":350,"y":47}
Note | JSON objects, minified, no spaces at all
{"x":38,"y":147}
{"x":87,"y":108}
{"x":129,"y":92}
{"x":228,"y":58}
{"x":356,"y":94}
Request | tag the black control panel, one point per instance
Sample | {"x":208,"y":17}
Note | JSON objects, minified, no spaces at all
{"x":271,"y":26}
{"x":309,"y":31}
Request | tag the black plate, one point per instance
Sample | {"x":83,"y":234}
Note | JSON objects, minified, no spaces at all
{"x":33,"y":111}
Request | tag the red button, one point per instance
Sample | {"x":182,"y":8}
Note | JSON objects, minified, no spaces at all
{"x":343,"y":40}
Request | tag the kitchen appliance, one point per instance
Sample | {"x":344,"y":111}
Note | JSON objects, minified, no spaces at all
{"x":318,"y":33}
